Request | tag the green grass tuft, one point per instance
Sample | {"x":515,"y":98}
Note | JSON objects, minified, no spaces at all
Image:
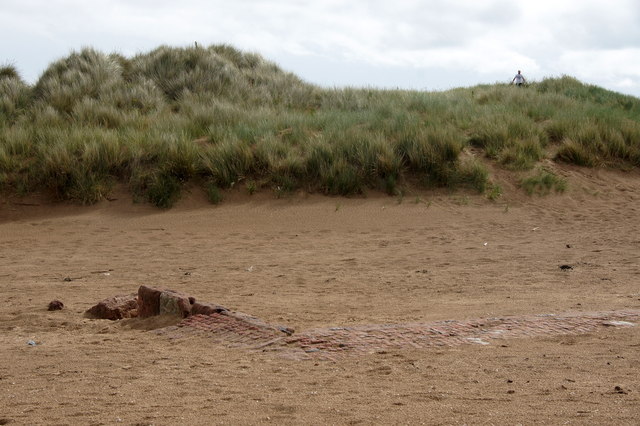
{"x":494,"y":192}
{"x":163,"y":190}
{"x":542,"y":183}
{"x":214,"y":193}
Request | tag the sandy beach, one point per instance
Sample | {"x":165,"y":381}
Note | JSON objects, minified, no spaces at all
{"x":309,"y":261}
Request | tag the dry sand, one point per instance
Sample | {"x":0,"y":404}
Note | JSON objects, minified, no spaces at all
{"x":313,"y":261}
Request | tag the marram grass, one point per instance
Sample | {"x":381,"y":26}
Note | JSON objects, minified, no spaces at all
{"x":218,"y":117}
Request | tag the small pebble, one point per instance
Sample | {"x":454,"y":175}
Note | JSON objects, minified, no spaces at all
{"x":55,"y":305}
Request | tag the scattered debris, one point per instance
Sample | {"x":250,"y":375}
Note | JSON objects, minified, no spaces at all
{"x":55,"y":305}
{"x":477,"y":340}
{"x":618,"y":324}
{"x":31,"y":343}
{"x":286,"y":330}
{"x":619,"y":390}
{"x":237,"y":329}
{"x":200,"y":308}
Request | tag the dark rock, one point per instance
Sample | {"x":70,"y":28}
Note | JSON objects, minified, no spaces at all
{"x":55,"y":305}
{"x":566,"y":267}
{"x":148,"y":301}
{"x":154,"y":301}
{"x":115,"y":308}
{"x":286,"y":330}
{"x":199,"y":308}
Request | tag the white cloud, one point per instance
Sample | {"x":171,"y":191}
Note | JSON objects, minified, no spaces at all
{"x":483,"y":41}
{"x":618,"y":69}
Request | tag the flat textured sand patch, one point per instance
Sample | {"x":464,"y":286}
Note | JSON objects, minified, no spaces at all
{"x":334,"y":343}
{"x":313,"y":262}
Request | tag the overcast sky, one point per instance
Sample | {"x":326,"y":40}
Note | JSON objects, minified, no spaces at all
{"x":424,"y":45}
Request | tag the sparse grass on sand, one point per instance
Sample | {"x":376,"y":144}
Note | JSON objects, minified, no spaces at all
{"x":219,"y":117}
{"x":543,"y":182}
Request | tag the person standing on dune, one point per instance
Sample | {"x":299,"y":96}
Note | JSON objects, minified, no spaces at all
{"x":519,"y":79}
